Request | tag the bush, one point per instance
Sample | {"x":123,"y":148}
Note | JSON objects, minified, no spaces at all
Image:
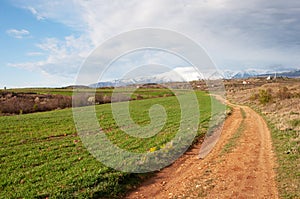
{"x":284,"y":93}
{"x":254,"y":97}
{"x":80,"y":99}
{"x":295,"y":122}
{"x":35,"y":107}
{"x":106,"y":99}
{"x":139,"y":97}
{"x":12,"y":103}
{"x":99,"y":98}
{"x":296,"y":95}
{"x":265,"y":96}
{"x":120,"y":97}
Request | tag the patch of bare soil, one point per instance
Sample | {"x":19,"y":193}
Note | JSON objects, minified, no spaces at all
{"x":247,"y":171}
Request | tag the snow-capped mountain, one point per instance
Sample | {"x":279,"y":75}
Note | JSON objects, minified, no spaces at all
{"x":185,"y":74}
{"x":291,"y":73}
{"x":180,"y":74}
{"x":243,"y":73}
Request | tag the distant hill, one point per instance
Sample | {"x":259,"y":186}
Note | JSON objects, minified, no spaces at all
{"x":75,"y":86}
{"x":291,"y":74}
{"x":181,"y":75}
{"x":256,"y":73}
{"x":110,"y":84}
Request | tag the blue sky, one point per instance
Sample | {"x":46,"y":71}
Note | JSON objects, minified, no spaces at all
{"x":44,"y":43}
{"x":20,"y":34}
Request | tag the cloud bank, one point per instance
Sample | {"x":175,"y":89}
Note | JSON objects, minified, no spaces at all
{"x":236,"y":34}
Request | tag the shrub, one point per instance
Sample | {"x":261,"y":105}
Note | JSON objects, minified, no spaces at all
{"x":169,"y":94}
{"x":254,"y":96}
{"x":106,"y":99}
{"x":265,"y":96}
{"x":35,"y":107}
{"x":295,"y":122}
{"x":296,"y":95}
{"x":13,"y":103}
{"x":80,"y":99}
{"x":139,"y":97}
{"x":119,"y":97}
{"x":99,"y":98}
{"x":284,"y":93}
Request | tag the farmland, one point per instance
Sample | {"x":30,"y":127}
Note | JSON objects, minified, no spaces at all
{"x":41,"y":154}
{"x":68,"y":91}
{"x":30,"y":100}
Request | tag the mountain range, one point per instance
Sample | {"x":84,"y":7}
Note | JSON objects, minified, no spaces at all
{"x":256,"y":73}
{"x":189,"y":74}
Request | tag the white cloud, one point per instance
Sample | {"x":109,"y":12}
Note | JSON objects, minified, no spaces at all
{"x":63,"y":57}
{"x":35,"y":53}
{"x":19,"y":34}
{"x":36,"y":13}
{"x":258,"y":33}
{"x":65,"y":11}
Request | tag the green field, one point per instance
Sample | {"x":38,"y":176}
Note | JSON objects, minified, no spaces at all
{"x":144,"y":92}
{"x":41,"y":154}
{"x":59,"y":91}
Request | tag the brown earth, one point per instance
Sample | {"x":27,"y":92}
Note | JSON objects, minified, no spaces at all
{"x":283,"y":108}
{"x":247,"y":171}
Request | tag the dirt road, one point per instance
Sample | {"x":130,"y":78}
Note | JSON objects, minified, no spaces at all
{"x":241,"y":165}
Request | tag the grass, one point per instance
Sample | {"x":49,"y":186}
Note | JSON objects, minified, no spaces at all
{"x":233,"y":140}
{"x":42,"y":156}
{"x":287,"y":149}
{"x":144,"y":92}
{"x":295,"y":122}
{"x":286,"y":146}
{"x":60,"y":91}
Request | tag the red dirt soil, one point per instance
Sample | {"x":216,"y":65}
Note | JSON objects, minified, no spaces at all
{"x":245,"y":172}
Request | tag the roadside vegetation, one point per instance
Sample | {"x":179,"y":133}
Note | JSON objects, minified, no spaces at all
{"x":279,"y":103}
{"x":41,"y":155}
{"x":286,"y":144}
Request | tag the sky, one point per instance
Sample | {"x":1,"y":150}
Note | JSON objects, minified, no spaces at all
{"x":44,"y":43}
